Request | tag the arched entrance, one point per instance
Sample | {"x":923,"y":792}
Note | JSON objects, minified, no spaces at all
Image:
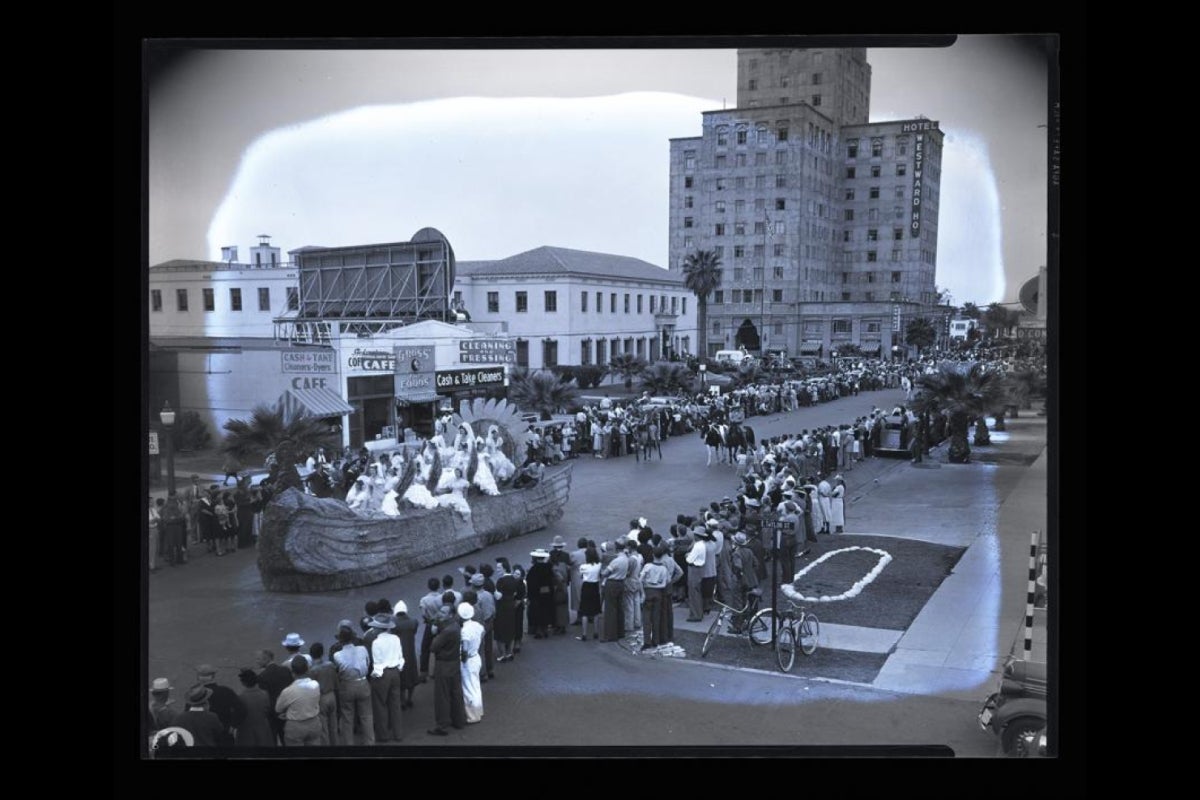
{"x":747,"y":336}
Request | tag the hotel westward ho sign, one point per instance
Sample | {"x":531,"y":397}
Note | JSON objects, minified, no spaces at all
{"x":918,"y":127}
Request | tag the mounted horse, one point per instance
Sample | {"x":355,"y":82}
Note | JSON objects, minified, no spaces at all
{"x":739,"y":436}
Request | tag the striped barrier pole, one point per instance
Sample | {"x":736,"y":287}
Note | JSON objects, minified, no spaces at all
{"x":1029,"y":595}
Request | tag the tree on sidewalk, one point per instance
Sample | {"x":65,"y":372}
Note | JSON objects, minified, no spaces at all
{"x":702,"y":274}
{"x":964,"y":395}
{"x":269,"y":430}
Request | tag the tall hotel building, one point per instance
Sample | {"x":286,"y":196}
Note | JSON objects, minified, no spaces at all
{"x":825,"y":223}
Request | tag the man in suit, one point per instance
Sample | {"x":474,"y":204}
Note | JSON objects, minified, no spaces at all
{"x":448,"y":705}
{"x":221,"y":700}
{"x":274,"y":678}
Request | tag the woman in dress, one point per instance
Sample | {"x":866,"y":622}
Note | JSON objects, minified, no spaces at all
{"x":502,"y":467}
{"x":825,"y":501}
{"x":598,"y":440}
{"x":484,"y":477}
{"x":359,"y":496}
{"x":453,"y":488}
{"x":472,"y":638}
{"x":507,"y":588}
{"x":589,"y":594}
{"x":837,"y":505}
{"x":522,"y":599}
{"x":406,"y":630}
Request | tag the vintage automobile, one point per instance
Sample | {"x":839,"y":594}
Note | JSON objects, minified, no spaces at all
{"x":1017,"y":712}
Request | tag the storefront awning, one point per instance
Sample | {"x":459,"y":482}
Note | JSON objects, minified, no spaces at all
{"x":418,"y":397}
{"x":871,"y":347}
{"x":810,"y":348}
{"x":315,"y":403}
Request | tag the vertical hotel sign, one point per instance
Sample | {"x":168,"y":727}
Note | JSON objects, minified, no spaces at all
{"x":918,"y":127}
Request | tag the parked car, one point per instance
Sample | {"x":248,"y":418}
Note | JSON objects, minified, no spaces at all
{"x":1017,"y":712}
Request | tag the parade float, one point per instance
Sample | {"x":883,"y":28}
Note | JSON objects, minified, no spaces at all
{"x":452,"y":499}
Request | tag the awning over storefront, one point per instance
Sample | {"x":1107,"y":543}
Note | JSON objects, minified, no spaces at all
{"x":810,"y":348}
{"x":418,"y":397}
{"x":869,"y":348}
{"x":314,"y":403}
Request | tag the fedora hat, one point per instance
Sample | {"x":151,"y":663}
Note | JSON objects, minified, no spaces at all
{"x":384,"y":621}
{"x":198,"y":695}
{"x":558,"y":543}
{"x":160,"y":685}
{"x":292,"y":640}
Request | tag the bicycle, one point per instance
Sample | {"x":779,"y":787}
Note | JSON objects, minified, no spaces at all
{"x":758,"y":630}
{"x":795,"y":625}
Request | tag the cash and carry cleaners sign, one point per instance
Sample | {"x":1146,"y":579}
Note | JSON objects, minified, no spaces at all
{"x":457,"y":380}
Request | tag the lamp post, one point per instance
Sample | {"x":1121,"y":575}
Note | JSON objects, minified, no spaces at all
{"x":167,"y":418}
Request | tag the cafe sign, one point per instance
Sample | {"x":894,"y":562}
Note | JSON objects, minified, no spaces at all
{"x":366,"y":359}
{"x":450,"y":381}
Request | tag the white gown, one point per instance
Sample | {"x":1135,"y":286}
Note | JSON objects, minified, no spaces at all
{"x":389,"y":504}
{"x":484,"y":478}
{"x":826,"y":503}
{"x":472,"y":637}
{"x":502,"y":467}
{"x":419,"y":495}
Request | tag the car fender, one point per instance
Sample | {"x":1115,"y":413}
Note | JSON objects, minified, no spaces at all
{"x":1018,"y":707}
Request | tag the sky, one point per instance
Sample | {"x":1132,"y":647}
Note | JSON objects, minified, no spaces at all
{"x":505,"y":151}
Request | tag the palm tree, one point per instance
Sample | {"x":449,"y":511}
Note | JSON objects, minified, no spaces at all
{"x":543,"y":392}
{"x":970,"y":311}
{"x":666,"y":378}
{"x":628,"y":366}
{"x":920,"y":332}
{"x":965,"y":396}
{"x":269,"y":430}
{"x":749,"y":374}
{"x":702,"y":274}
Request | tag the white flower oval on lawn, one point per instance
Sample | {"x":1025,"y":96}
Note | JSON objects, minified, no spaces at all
{"x":793,"y":594}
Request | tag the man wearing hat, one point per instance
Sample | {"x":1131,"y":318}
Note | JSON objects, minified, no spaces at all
{"x":540,"y":584}
{"x":292,"y":644}
{"x":274,"y":678}
{"x":745,"y":568}
{"x":387,"y":657}
{"x":204,"y":726}
{"x":560,"y":568}
{"x":485,"y":615}
{"x":160,"y":702}
{"x":222,"y":701}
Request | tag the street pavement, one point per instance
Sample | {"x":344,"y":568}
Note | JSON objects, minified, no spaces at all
{"x":214,"y":610}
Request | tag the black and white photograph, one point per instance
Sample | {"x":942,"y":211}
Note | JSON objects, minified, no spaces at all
{"x":640,"y":398}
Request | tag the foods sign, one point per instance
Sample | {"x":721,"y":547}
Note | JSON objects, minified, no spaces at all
{"x":414,"y":370}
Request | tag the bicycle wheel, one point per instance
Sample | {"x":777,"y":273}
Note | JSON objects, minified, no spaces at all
{"x":810,"y":629}
{"x":711,"y":636}
{"x":760,"y":627}
{"x":785,"y":648}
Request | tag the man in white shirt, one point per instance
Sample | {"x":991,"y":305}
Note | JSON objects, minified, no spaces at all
{"x":354,"y":695}
{"x":387,"y":656}
{"x":300,"y":707}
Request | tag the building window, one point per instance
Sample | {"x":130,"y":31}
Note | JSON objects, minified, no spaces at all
{"x":687,"y":201}
{"x":735,"y":296}
{"x":739,"y":251}
{"x":849,"y":216}
{"x":901,"y":169}
{"x":899,"y":192}
{"x":841,"y":326}
{"x":901,"y":147}
{"x":689,"y":159}
{"x":875,"y":171}
{"x":852,"y":149}
{"x":687,"y":222}
{"x":293,"y":299}
{"x":871,"y":326}
{"x":522,"y":302}
{"x":549,"y":353}
{"x":777,"y":295}
{"x":778,"y":251}
{"x":872,"y":214}
{"x":720,"y":162}
{"x":850,"y":172}
{"x":778,"y":273}
{"x":639,"y":304}
{"x":583,"y":296}
{"x":758,"y":274}
{"x":626,"y":304}
{"x":741,"y":135}
{"x":674,"y":304}
{"x":683,"y":306}
{"x":869,"y":296}
{"x":760,"y":228}
{"x":870,"y":277}
{"x":719,"y":206}
{"x":871,"y":255}
{"x":653,"y":303}
{"x":551,"y":301}
{"x":719,"y":229}
{"x":156,"y":299}
{"x":781,"y":181}
{"x":897,"y":212}
{"x":874,"y":193}
{"x":720,"y":251}
{"x":872,"y":235}
{"x":719,"y":296}
{"x":876,"y":148}
{"x":896,"y":255}
{"x":210,"y":303}
{"x":585,"y":352}
{"x":846,"y":296}
{"x":753,"y":85}
{"x":849,"y":194}
{"x":740,"y":182}
{"x":898,"y":234}
{"x":688,"y":242}
{"x":845,"y":236}
{"x":816,"y":100}
{"x":816,"y":81}
{"x":235,"y":299}
{"x":783,"y":81}
{"x":778,"y":329}
{"x":739,"y":229}
{"x":717,"y":327}
{"x":780,"y":204}
{"x":720,"y":184}
{"x":760,"y":159}
{"x":688,"y":182}
{"x":781,"y":133}
{"x":601,"y":347}
{"x":722,"y":136}
{"x":896,"y":277}
{"x":264,"y":298}
{"x":741,"y":159}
